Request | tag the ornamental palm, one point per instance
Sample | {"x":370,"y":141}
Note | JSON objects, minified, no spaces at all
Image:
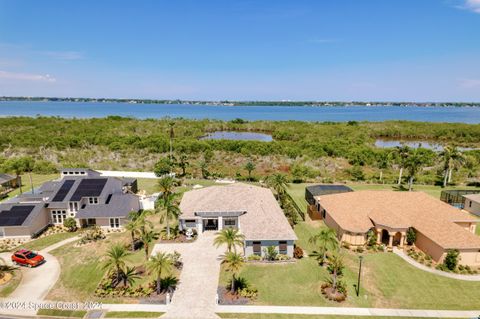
{"x":233,"y":263}
{"x":169,"y":210}
{"x":326,"y":240}
{"x":401,"y":153}
{"x":129,"y":276}
{"x":230,"y":237}
{"x":148,"y":236}
{"x":414,"y":164}
{"x":278,"y":182}
{"x":250,"y":167}
{"x":452,"y":157}
{"x":116,"y":257}
{"x":5,"y":268}
{"x":158,"y":265}
{"x":335,"y":266}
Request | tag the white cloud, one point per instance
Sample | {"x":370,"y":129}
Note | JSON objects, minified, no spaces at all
{"x":472,"y":5}
{"x":470,"y":83}
{"x":26,"y":77}
{"x":64,"y":55}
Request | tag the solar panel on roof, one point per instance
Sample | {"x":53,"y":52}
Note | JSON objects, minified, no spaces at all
{"x":63,"y":191}
{"x":90,"y":187}
{"x":15,"y":216}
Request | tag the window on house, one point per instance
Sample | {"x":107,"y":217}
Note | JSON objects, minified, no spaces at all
{"x":114,"y":222}
{"x":282,"y":247}
{"x":229,"y":222}
{"x":470,"y":204}
{"x":93,"y":200}
{"x":257,"y":248}
{"x":59,"y":216}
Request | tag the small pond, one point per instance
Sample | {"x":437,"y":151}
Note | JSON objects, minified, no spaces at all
{"x":416,"y":144}
{"x":238,"y":136}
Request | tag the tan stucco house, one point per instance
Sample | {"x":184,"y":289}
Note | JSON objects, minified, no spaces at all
{"x":252,"y":209}
{"x":389,"y":214}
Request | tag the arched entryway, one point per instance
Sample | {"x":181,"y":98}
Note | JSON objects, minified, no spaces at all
{"x":385,"y":237}
{"x":397,"y":239}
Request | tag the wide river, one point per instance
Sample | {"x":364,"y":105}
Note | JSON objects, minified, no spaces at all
{"x":274,"y":113}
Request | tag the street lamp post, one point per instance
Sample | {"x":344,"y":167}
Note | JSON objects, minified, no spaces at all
{"x":359,"y":274}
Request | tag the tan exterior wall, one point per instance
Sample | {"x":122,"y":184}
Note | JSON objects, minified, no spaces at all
{"x":330,"y":222}
{"x":17,"y":231}
{"x":105,"y":222}
{"x":37,"y":225}
{"x":472,"y":207}
{"x":469,"y":257}
{"x":313,"y":212}
{"x":354,"y":239}
{"x":429,"y":247}
{"x":248,"y":249}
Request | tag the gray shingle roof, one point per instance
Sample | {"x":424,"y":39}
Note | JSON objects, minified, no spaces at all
{"x":119,"y":206}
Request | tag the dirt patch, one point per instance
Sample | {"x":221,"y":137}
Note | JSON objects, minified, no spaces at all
{"x":6,"y":278}
{"x":225,"y":297}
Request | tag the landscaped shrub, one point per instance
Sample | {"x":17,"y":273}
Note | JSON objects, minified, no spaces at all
{"x":360,"y":249}
{"x":298,"y":252}
{"x":411,"y":236}
{"x":92,"y":234}
{"x":451,"y":260}
{"x":282,"y":257}
{"x":254,"y":257}
{"x":70,"y":224}
{"x":250,"y":293}
{"x":371,"y":238}
{"x":346,"y":245}
{"x":270,"y":253}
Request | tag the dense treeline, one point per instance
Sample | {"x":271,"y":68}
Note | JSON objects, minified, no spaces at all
{"x":295,"y":143}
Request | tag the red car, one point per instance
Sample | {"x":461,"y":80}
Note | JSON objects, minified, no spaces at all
{"x":27,"y":258}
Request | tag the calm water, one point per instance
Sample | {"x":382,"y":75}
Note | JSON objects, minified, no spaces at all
{"x":299,"y":113}
{"x":415,"y":144}
{"x":240,"y":136}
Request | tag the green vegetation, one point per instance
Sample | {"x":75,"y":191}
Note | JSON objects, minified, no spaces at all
{"x":387,"y":282}
{"x":37,"y":180}
{"x":43,"y":242}
{"x":303,"y":151}
{"x":62,"y":313}
{"x":9,"y":287}
{"x":132,"y":314}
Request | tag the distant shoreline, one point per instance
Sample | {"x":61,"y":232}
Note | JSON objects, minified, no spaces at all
{"x":244,"y":103}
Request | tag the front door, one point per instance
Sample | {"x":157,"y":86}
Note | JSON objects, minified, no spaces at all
{"x":210,"y":224}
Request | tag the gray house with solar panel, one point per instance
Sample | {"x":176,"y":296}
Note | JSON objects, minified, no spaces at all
{"x":82,"y":194}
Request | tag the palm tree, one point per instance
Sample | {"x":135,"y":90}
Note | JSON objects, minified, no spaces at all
{"x":414,"y":164}
{"x":148,"y":236}
{"x":183,"y":163}
{"x":452,"y":157}
{"x":278,"y":182}
{"x":401,"y":154}
{"x":233,"y":263}
{"x":116,"y":257}
{"x":28,"y":165}
{"x":250,"y":167}
{"x":166,"y":185}
{"x":169,"y":210}
{"x":16,"y":165}
{"x":335,"y":266}
{"x":129,"y":276}
{"x":230,"y":237}
{"x":172,"y":136}
{"x":159,"y":265}
{"x":133,"y":226}
{"x":5,"y":268}
{"x":326,"y":240}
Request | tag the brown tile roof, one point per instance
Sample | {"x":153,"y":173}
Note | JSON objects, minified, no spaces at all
{"x":263,"y":220}
{"x":358,"y":211}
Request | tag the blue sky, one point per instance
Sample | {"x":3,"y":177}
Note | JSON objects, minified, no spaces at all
{"x":422,"y":50}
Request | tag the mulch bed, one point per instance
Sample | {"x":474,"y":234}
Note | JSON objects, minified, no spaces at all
{"x":180,"y":239}
{"x":155,"y":299}
{"x":225,"y":297}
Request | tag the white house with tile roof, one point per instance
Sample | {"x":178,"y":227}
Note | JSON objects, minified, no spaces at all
{"x":252,"y":209}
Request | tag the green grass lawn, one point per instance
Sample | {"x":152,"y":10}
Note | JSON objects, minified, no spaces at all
{"x":9,"y":287}
{"x":37,"y":180}
{"x":62,"y":313}
{"x":132,"y":314}
{"x":387,"y":282}
{"x":150,"y":185}
{"x":41,"y":243}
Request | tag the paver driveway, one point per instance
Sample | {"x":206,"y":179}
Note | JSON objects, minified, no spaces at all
{"x":196,"y":292}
